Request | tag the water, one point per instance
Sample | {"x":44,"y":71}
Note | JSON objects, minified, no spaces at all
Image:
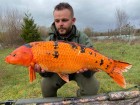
{"x":123,"y":37}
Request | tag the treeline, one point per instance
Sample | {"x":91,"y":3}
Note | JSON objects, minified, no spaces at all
{"x":125,"y":31}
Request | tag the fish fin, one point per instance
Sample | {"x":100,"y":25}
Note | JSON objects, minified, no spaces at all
{"x":32,"y":75}
{"x":116,"y":72}
{"x":65,"y":77}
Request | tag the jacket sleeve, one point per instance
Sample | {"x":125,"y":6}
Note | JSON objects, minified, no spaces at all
{"x":85,"y":40}
{"x":46,"y":74}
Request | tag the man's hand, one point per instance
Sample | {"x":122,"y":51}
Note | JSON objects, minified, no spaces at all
{"x":82,"y":70}
{"x":38,"y":69}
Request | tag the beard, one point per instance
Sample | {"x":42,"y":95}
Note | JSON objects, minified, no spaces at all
{"x":63,"y":31}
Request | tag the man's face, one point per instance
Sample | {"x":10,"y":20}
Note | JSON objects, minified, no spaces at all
{"x":63,"y":21}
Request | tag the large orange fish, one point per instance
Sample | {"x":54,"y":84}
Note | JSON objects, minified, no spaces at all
{"x":66,"y":58}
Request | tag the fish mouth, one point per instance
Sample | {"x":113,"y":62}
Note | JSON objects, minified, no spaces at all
{"x":9,"y":60}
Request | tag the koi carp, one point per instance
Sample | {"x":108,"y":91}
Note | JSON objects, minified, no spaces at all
{"x":65,"y":58}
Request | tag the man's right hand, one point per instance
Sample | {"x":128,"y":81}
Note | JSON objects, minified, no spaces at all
{"x":43,"y":73}
{"x":38,"y":69}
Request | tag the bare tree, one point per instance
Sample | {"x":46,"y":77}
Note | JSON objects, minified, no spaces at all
{"x":10,"y":23}
{"x":122,"y":19}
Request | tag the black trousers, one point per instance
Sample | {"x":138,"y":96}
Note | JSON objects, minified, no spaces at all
{"x":87,"y":86}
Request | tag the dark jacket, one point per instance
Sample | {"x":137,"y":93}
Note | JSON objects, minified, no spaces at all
{"x":74,"y":36}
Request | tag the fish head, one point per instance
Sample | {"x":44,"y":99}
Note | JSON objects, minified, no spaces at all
{"x":20,"y":56}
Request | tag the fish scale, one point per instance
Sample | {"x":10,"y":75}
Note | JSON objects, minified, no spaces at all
{"x":66,"y":58}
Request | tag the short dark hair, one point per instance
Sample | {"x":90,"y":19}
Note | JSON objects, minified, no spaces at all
{"x":64,"y":5}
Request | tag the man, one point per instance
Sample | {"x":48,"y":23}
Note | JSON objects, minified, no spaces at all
{"x":63,"y":28}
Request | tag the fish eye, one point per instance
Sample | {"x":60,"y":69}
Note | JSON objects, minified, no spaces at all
{"x":14,"y":55}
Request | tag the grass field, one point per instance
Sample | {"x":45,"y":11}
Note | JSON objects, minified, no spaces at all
{"x":14,"y":81}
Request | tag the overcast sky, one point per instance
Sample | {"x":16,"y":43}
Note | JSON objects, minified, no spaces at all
{"x":98,"y":14}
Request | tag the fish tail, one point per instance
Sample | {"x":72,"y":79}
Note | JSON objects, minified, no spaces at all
{"x":116,"y":72}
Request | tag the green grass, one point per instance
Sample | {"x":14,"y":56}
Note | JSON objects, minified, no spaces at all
{"x":14,"y":81}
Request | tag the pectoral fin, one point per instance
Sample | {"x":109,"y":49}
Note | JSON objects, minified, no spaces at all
{"x":65,"y":77}
{"x":32,"y":75}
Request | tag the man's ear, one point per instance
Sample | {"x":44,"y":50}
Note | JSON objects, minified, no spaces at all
{"x":73,"y":19}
